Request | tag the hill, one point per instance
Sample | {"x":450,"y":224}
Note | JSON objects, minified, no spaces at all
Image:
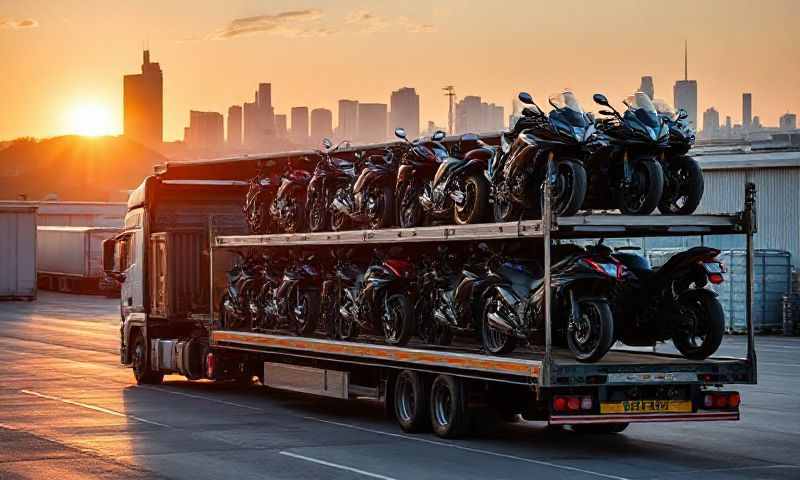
{"x":74,"y":167}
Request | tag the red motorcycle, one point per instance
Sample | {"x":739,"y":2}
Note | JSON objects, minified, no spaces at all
{"x":289,"y":206}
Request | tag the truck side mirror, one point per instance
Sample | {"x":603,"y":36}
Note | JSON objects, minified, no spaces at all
{"x":109,"y":245}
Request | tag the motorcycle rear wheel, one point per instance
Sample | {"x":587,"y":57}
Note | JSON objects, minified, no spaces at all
{"x":409,"y":211}
{"x":685,"y":185}
{"x":476,"y":201}
{"x":494,"y":341}
{"x":702,"y":335}
{"x":317,"y":214}
{"x":506,"y":209}
{"x":305,"y":313}
{"x":591,"y":336}
{"x":398,"y":320}
{"x":297,"y":222}
{"x":383,"y":215}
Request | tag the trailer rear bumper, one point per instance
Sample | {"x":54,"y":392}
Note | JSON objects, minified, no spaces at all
{"x":644,"y":417}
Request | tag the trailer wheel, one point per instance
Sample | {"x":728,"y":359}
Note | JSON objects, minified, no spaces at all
{"x":449,"y":415}
{"x":141,"y":364}
{"x":600,"y":428}
{"x":410,"y":398}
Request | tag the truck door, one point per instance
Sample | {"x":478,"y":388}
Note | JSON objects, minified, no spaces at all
{"x":131,"y":255}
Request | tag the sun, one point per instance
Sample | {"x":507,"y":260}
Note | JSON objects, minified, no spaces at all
{"x":90,"y":119}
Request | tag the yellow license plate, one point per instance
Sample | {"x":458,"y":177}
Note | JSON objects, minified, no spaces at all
{"x":647,"y":406}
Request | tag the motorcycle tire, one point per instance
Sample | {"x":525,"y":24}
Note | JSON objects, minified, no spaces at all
{"x":570,"y":190}
{"x":642,"y":197}
{"x":506,"y":210}
{"x":476,"y":201}
{"x":683,"y":188}
{"x":707,"y":318}
{"x":299,"y":223}
{"x":305,"y":321}
{"x":409,"y":210}
{"x":493,"y":340}
{"x":401,"y":315}
{"x":592,"y":336}
{"x":318,"y":216}
{"x":384,"y":214}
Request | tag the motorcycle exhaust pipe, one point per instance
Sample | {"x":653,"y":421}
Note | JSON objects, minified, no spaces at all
{"x":458,"y":197}
{"x":340,"y":206}
{"x":426,"y":202}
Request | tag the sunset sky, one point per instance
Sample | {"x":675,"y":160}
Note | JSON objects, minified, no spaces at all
{"x":64,"y":59}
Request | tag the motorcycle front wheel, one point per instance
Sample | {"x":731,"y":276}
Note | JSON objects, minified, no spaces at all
{"x":505,"y":209}
{"x":474,"y":207}
{"x":297,"y":218}
{"x":683,"y":181}
{"x":410,"y":211}
{"x":494,"y":341}
{"x":703,"y":325}
{"x":317,"y":213}
{"x":381,"y":215}
{"x":304,"y":312}
{"x":569,"y":189}
{"x":641,"y":195}
{"x":398,"y":320}
{"x":591,"y":335}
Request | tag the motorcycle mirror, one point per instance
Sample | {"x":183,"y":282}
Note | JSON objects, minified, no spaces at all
{"x":327,"y":143}
{"x":400,"y":132}
{"x":600,"y":99}
{"x":682,"y":114}
{"x":605,"y":112}
{"x":525,"y":98}
{"x":528,"y":112}
{"x":438,"y":135}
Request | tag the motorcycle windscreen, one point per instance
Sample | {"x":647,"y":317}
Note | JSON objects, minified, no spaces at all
{"x":445,"y":168}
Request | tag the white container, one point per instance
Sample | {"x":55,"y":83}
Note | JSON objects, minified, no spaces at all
{"x":17,"y":253}
{"x":75,"y":214}
{"x":72,"y":251}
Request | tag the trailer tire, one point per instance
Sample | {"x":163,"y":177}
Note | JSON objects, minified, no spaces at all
{"x":600,"y":428}
{"x":141,"y":363}
{"x":410,"y":401}
{"x":449,"y":415}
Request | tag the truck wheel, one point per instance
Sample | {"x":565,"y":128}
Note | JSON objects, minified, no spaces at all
{"x":410,"y":399}
{"x":599,"y":428}
{"x":141,"y":364}
{"x":449,"y":415}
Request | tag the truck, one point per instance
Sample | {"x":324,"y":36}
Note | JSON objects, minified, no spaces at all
{"x":184,"y":225}
{"x":70,"y":259}
{"x":17,"y":252}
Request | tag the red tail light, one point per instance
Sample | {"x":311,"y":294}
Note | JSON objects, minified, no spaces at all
{"x":210,"y":364}
{"x":612,"y":269}
{"x":734,"y":400}
{"x":716,"y":278}
{"x":559,"y":404}
{"x":721,"y":400}
{"x":573,"y":404}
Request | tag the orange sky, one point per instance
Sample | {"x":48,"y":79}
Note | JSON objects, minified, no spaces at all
{"x":59,"y":55}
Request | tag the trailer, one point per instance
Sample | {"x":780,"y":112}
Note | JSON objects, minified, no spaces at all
{"x":184,"y":225}
{"x":17,"y":252}
{"x":74,"y":214}
{"x":70,"y":259}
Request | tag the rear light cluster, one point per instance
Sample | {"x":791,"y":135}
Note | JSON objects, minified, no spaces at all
{"x":614,"y":269}
{"x":572,"y":403}
{"x":714,"y":269}
{"x":721,"y":400}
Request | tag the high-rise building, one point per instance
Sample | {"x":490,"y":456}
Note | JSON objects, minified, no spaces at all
{"x":756,"y":125}
{"x":280,"y":125}
{"x":234,"y":126}
{"x":788,"y":121}
{"x":205,"y":132}
{"x":252,"y":124}
{"x":299,"y":132}
{"x":728,"y":127}
{"x":475,"y":116}
{"x":747,"y":111}
{"x":404,"y":111}
{"x":143,"y":103}
{"x":647,"y":86}
{"x":348,"y":120}
{"x":711,"y":123}
{"x":372,"y":122}
{"x":685,"y":91}
{"x":267,"y":114}
{"x":321,"y":125}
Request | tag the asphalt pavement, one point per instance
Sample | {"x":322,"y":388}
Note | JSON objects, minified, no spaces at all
{"x":69,"y":410}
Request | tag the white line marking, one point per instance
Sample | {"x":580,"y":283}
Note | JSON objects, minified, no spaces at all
{"x":473,"y":450}
{"x":736,"y":469}
{"x":201,"y":397}
{"x":335,"y":465}
{"x":92,"y":407}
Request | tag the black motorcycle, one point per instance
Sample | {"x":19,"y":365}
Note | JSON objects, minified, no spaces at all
{"x":260,"y":194}
{"x":683,"y":178}
{"x":368,"y":199}
{"x":671,"y":302}
{"x":289,"y":206}
{"x":340,"y":293}
{"x":538,"y":144}
{"x":332,"y":173}
{"x":298,"y":295}
{"x":581,"y":316}
{"x":628,"y":170}
{"x":237,"y":305}
{"x":434,"y":186}
{"x":266,"y":308}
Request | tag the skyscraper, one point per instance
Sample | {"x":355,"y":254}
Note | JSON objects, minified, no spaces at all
{"x":747,"y":111}
{"x":252,"y":124}
{"x":143,"y":104}
{"x":348,"y":120}
{"x":266,"y":112}
{"x":299,"y":132}
{"x":234,"y":126}
{"x":404,"y":111}
{"x":372,"y":122}
{"x":321,"y":125}
{"x":685,"y":92}
{"x":205,"y":132}
{"x":788,"y":121}
{"x":711,"y":123}
{"x":647,"y":86}
{"x":280,"y":125}
{"x":476,"y":116}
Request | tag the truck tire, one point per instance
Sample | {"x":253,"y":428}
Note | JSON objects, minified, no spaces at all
{"x":600,"y":428}
{"x":141,"y":364}
{"x":410,"y":399}
{"x":449,"y":415}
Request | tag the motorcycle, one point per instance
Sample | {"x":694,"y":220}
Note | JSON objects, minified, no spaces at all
{"x":380,"y":301}
{"x":288,"y":207}
{"x":537,"y":146}
{"x":368,"y":199}
{"x":260,"y":194}
{"x":581,"y":283}
{"x":683,"y":178}
{"x":340,"y":291}
{"x":433,"y":184}
{"x":330,"y":175}
{"x":298,"y":295}
{"x":236,"y":305}
{"x":671,"y":302}
{"x":265,"y":310}
{"x":630,"y":164}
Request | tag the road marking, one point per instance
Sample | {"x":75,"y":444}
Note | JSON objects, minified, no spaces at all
{"x":92,"y":407}
{"x":473,"y":450}
{"x":201,"y":397}
{"x":335,"y":465}
{"x":737,"y":469}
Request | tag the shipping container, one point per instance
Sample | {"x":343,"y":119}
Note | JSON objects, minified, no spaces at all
{"x":70,"y":259}
{"x":17,"y":253}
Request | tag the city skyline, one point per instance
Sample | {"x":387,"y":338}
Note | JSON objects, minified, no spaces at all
{"x":211,"y":60}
